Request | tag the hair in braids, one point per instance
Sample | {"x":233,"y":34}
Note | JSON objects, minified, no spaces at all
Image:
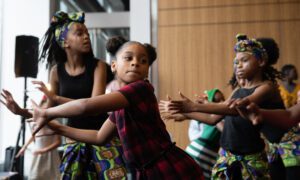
{"x":116,"y":43}
{"x":52,"y":43}
{"x":271,"y":47}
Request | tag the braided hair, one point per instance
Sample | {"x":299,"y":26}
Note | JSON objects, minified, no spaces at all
{"x":271,"y":47}
{"x":52,"y":49}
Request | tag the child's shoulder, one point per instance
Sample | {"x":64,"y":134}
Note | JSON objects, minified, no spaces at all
{"x":269,"y":85}
{"x":140,"y":84}
{"x":137,"y":88}
{"x":270,"y":89}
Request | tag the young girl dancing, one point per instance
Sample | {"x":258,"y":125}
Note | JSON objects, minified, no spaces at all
{"x":145,"y":140}
{"x":75,"y":73}
{"x":242,"y":154}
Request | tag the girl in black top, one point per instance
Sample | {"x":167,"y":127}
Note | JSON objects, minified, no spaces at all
{"x":74,"y":74}
{"x":242,"y":155}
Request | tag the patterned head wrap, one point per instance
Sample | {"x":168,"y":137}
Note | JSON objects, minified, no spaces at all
{"x":62,"y":23}
{"x":250,"y":45}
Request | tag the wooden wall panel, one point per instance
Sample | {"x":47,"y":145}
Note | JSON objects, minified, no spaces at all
{"x":196,"y":38}
{"x":229,"y":15}
{"x":182,"y":4}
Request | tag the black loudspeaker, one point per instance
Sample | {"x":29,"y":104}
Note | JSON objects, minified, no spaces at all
{"x":26,"y":56}
{"x":9,"y":153}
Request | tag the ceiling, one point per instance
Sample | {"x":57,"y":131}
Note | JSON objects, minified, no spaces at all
{"x":97,"y":5}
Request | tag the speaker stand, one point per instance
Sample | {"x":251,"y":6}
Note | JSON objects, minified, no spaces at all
{"x":14,"y":167}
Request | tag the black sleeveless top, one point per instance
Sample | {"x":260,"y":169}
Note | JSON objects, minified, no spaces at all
{"x":241,"y":137}
{"x":80,"y":86}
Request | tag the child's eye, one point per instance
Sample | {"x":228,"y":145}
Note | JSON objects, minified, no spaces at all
{"x":245,"y":60}
{"x":144,"y":61}
{"x":79,"y":33}
{"x":127,"y":58}
{"x":235,"y":62}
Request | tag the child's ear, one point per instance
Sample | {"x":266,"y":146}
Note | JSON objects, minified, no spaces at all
{"x":113,"y":66}
{"x":66,"y":44}
{"x":262,"y":63}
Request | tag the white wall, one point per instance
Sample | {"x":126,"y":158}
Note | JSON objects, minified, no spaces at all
{"x":140,"y":21}
{"x":19,"y":17}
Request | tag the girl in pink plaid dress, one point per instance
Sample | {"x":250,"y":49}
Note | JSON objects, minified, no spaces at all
{"x":145,"y":140}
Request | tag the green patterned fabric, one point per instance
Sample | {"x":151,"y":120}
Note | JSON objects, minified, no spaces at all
{"x":204,"y":144}
{"x":90,"y":162}
{"x":288,"y":149}
{"x":253,"y":166}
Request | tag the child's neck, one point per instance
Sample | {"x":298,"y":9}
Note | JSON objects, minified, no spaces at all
{"x":250,"y":83}
{"x":289,"y":85}
{"x":74,"y":60}
{"x":121,"y":83}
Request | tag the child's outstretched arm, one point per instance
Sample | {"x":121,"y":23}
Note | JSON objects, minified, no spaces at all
{"x":22,"y":150}
{"x":87,"y":136}
{"x":281,"y":118}
{"x":187,"y":106}
{"x":51,"y":146}
{"x":207,"y":118}
{"x":11,"y":104}
{"x":80,"y":107}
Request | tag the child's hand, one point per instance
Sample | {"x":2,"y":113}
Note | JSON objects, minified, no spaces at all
{"x":164,"y":105}
{"x":37,"y":152}
{"x":247,"y":109}
{"x":181,"y":106}
{"x":38,"y":116}
{"x":201,"y":99}
{"x":42,"y":87}
{"x":164,"y":110}
{"x":10,"y":102}
{"x":21,"y":152}
{"x":176,"y":117}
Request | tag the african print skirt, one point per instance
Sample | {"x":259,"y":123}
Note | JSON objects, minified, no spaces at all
{"x":84,"y":161}
{"x":252,"y":166}
{"x":288,"y":148}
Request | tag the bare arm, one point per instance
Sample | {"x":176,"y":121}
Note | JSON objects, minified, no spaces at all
{"x":210,"y":119}
{"x":99,"y":137}
{"x":98,"y":85}
{"x":99,"y":79}
{"x":80,"y":107}
{"x":83,"y":107}
{"x":262,"y":93}
{"x":11,"y":104}
{"x":50,"y":147}
{"x":52,"y":95}
{"x":281,"y":118}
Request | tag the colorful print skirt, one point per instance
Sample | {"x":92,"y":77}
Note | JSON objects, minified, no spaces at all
{"x":84,"y":161}
{"x":288,"y":148}
{"x":252,"y":166}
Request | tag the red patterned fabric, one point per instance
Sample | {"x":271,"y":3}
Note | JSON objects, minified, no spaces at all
{"x":146,"y":143}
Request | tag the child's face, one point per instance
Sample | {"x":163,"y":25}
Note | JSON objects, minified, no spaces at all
{"x":132,"y":63}
{"x":292,"y":74}
{"x":246,"y":65}
{"x":78,"y":38}
{"x":219,"y":97}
